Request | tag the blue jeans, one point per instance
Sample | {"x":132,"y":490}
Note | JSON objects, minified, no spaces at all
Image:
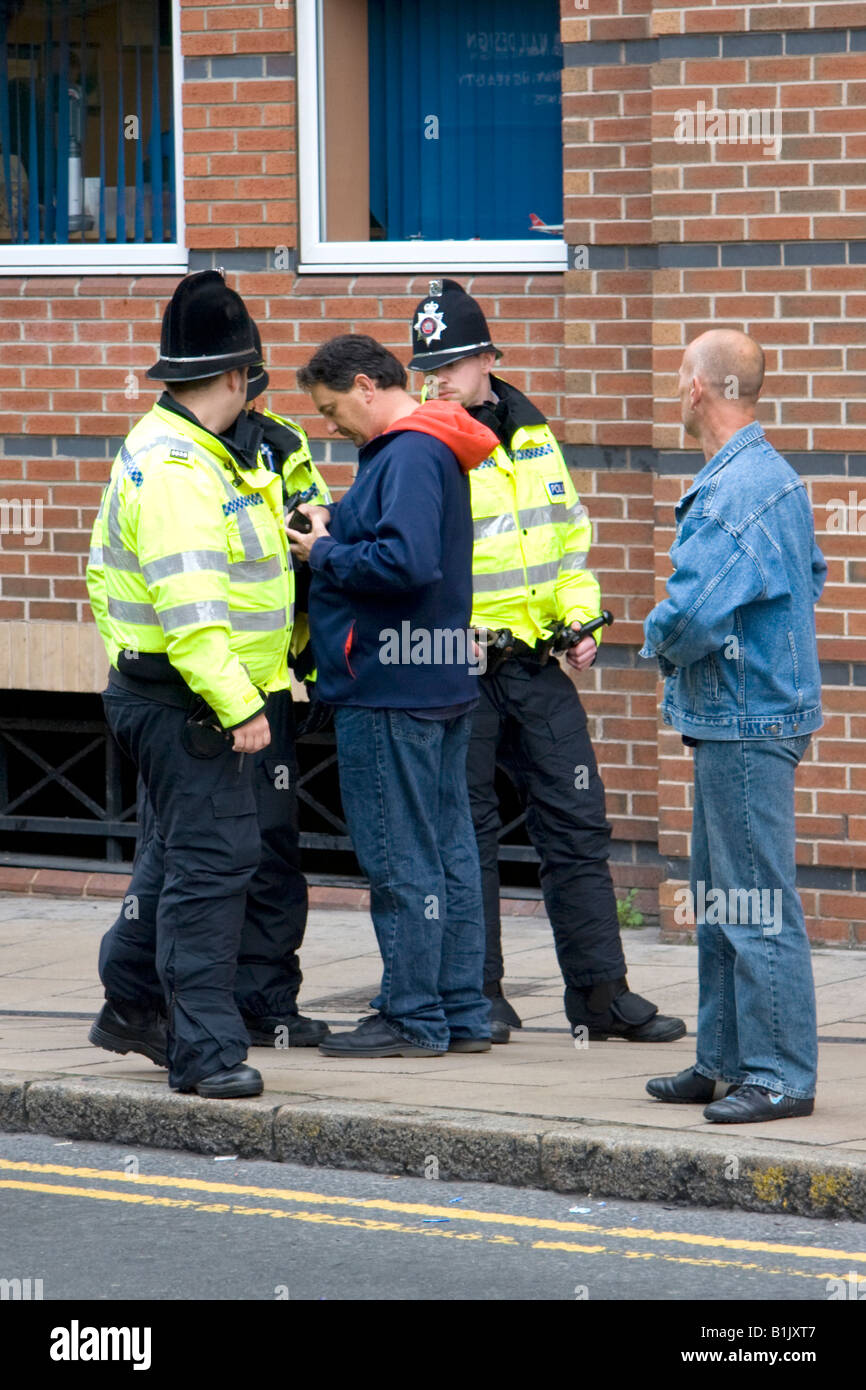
{"x":756,"y":1010}
{"x":403,"y":784}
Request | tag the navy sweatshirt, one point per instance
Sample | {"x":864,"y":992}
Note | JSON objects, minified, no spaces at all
{"x":391,"y":592}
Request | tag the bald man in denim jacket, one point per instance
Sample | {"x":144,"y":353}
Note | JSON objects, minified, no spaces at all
{"x":735,"y":641}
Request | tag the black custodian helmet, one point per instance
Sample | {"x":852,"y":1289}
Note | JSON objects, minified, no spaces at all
{"x":447,"y":325}
{"x":206,"y":330}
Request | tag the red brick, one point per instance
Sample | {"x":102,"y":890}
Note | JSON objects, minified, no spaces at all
{"x":59,"y":882}
{"x":107,"y":886}
{"x":14,"y":880}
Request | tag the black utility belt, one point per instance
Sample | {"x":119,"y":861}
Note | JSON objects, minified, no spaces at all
{"x":501,"y":647}
{"x":178,"y":695}
{"x":202,"y":735}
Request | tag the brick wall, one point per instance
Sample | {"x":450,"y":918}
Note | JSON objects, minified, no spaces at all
{"x":685,"y":236}
{"x":677,"y":237}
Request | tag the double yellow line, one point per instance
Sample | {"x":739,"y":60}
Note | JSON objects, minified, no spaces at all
{"x":290,"y":1201}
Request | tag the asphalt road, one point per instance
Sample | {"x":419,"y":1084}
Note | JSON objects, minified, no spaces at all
{"x":100,"y":1222}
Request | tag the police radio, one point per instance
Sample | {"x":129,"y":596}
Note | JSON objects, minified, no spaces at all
{"x":563,"y":638}
{"x":295,"y":520}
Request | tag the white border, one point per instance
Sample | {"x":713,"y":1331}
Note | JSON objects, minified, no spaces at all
{"x":347,"y":257}
{"x":130,"y":258}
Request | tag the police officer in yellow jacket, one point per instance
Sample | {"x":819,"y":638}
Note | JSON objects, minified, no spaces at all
{"x":269,"y":973}
{"x":532,"y":537}
{"x":191,"y":588}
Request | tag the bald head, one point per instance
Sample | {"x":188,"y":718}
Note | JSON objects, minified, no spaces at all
{"x":730,"y":364}
{"x":719,"y":382}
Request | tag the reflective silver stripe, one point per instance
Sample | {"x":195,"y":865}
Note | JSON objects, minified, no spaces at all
{"x":184,"y":561}
{"x":539,"y":574}
{"x":255,"y":571}
{"x":515,"y":579}
{"x":95,"y":555}
{"x":114,"y":519}
{"x":210,"y":610}
{"x":115,"y":555}
{"x":487,"y":526}
{"x":539,"y":516}
{"x":249,"y":535}
{"x":120,"y":560}
{"x":575,"y":560}
{"x":506,"y":579}
{"x":246,"y":526}
{"x":132,"y":612}
{"x":269,"y":620}
{"x":576,"y":512}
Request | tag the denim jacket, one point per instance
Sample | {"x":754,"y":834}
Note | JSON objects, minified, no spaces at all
{"x":735,"y":638}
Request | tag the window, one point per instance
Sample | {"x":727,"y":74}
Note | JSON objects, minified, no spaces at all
{"x":430,"y":135}
{"x":89,"y":138}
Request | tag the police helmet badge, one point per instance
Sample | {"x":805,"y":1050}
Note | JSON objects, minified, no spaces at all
{"x":430,"y":322}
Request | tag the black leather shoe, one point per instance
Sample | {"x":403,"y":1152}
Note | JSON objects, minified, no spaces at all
{"x":499,"y":1032}
{"x":230,"y":1084}
{"x":470,"y":1044}
{"x":124,"y":1027}
{"x":292,"y":1030}
{"x":753,"y":1104}
{"x":688,"y":1087}
{"x":374,"y":1038}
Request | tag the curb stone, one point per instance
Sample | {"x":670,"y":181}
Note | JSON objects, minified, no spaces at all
{"x":622,"y":1161}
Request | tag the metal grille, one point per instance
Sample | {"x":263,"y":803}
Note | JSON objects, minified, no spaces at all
{"x":67,"y":800}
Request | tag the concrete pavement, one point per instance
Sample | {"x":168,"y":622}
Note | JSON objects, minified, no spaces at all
{"x":538,"y":1111}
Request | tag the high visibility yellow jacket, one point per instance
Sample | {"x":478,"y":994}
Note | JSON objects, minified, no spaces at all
{"x":532,"y":533}
{"x":189,"y":557}
{"x":286,"y":449}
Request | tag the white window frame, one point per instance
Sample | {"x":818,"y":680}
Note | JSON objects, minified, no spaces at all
{"x":348,"y":257}
{"x":128,"y":258}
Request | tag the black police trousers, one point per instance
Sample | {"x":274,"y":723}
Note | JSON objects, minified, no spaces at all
{"x":216,"y":907}
{"x":530,"y":720}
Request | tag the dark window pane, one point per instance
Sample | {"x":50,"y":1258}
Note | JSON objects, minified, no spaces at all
{"x":465,"y":118}
{"x":86,"y":122}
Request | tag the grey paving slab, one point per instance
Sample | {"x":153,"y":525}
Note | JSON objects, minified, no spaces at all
{"x":48,"y":973}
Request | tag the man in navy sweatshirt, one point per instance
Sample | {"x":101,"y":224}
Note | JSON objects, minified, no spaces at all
{"x":390,"y":603}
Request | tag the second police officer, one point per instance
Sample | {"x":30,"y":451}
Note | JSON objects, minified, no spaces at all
{"x":269,"y":972}
{"x":532,"y":536}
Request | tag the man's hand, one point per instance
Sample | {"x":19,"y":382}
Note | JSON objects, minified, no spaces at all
{"x":300,"y":542}
{"x":252,"y":736}
{"x":584,"y":654}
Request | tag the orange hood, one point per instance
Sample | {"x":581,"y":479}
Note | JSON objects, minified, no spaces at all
{"x":469,"y":441}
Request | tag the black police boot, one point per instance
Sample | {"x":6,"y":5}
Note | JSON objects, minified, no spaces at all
{"x":124,"y":1027}
{"x":502,"y":1016}
{"x":610,"y":1010}
{"x":229,"y":1084}
{"x":287,"y":1030}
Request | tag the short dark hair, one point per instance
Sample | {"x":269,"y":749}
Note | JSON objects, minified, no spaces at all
{"x":341,"y":359}
{"x":179,"y":389}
